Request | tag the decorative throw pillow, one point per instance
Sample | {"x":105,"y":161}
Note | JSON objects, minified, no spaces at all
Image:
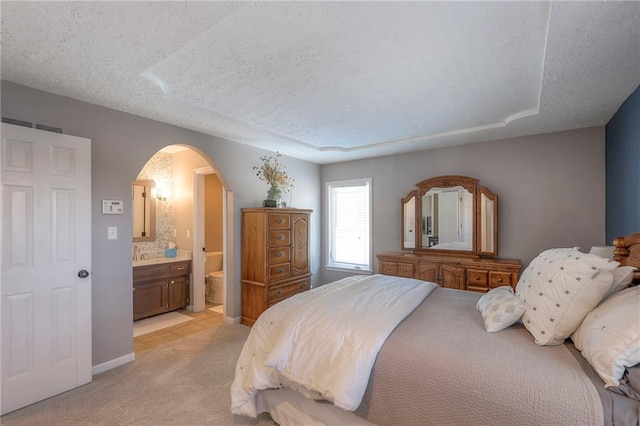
{"x":500,"y":308}
{"x":609,"y":336}
{"x":559,"y":288}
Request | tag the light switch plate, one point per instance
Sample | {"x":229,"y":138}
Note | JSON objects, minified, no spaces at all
{"x":112,"y":233}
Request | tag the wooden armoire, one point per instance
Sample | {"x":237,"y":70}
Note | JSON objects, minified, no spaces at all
{"x":275,"y":258}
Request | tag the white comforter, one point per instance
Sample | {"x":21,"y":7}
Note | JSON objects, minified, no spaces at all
{"x":324,"y":342}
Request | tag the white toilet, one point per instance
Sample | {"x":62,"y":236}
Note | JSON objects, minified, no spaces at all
{"x":214,"y":277}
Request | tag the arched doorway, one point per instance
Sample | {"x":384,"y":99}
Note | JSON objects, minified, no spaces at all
{"x":179,"y":172}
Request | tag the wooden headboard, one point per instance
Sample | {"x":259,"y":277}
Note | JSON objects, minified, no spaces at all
{"x":627,"y":252}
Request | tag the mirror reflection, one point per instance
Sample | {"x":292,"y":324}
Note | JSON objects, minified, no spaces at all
{"x":487,"y":221}
{"x":409,"y":222}
{"x":144,"y":211}
{"x":447,"y":219}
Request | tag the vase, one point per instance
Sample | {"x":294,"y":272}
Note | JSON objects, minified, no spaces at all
{"x":274,"y":197}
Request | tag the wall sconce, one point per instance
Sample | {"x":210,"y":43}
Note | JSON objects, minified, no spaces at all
{"x":163,"y":193}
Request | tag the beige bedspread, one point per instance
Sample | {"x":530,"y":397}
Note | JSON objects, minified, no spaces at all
{"x":439,"y":367}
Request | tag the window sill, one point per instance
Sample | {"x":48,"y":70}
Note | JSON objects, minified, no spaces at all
{"x":353,"y":271}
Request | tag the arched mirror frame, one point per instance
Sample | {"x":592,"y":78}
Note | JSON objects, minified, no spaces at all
{"x":479,"y":246}
{"x":150,"y":203}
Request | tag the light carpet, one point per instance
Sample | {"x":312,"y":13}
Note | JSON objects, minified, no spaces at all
{"x":158,"y":323}
{"x":217,"y":309}
{"x":186,"y":382}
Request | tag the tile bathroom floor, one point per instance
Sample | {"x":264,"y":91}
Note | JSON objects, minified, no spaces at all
{"x":201,"y":321}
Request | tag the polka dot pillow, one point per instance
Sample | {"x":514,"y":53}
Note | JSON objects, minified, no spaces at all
{"x":500,"y":308}
{"x":559,"y":288}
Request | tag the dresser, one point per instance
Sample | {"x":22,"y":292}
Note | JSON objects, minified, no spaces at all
{"x":455,"y":271}
{"x":160,"y":288}
{"x":275,"y":258}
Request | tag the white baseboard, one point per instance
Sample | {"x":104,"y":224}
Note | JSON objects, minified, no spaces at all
{"x":105,"y":366}
{"x":231,"y":320}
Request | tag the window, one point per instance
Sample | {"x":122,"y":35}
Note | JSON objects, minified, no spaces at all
{"x":349,"y":224}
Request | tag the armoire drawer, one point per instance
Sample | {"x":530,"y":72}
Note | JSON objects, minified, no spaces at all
{"x":278,"y":272}
{"x":279,"y":221}
{"x":282,"y":292}
{"x":279,"y":238}
{"x":279,"y":254}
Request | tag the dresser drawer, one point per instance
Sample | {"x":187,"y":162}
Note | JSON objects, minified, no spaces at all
{"x":405,"y":270}
{"x":477,"y":280}
{"x":279,"y":254}
{"x":389,"y":268}
{"x":279,"y":221}
{"x":280,"y":271}
{"x":279,"y":238}
{"x":284,"y":291}
{"x":498,"y":279}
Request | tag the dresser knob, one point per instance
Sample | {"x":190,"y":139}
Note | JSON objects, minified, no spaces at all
{"x":281,"y":237}
{"x":499,"y":280}
{"x":477,"y":278}
{"x":280,"y":270}
{"x":280,"y":220}
{"x":278,"y":293}
{"x":303,"y":285}
{"x":281,"y":254}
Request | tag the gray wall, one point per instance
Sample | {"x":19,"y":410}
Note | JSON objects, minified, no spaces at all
{"x":551,"y":189}
{"x":121,"y":145}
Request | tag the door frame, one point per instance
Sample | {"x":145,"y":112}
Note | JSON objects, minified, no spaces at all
{"x":198,"y":257}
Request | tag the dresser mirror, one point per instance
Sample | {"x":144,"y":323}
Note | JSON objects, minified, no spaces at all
{"x":450,"y":214}
{"x":144,"y":211}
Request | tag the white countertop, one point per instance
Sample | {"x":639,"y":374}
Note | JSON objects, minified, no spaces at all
{"x":159,"y":260}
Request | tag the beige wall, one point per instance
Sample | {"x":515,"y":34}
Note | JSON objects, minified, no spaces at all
{"x":183,"y":165}
{"x":212,"y":213}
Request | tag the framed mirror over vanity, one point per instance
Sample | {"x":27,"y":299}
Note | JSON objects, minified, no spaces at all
{"x":449,"y":229}
{"x":144,"y":211}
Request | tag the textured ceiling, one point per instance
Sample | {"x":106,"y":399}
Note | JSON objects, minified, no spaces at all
{"x":333,"y":81}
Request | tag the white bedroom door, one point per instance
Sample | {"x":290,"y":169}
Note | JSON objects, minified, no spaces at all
{"x":46,"y":261}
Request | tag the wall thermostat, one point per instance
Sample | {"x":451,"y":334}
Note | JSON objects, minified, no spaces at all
{"x":112,"y":207}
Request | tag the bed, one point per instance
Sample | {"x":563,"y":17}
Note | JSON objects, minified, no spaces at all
{"x":438,"y":364}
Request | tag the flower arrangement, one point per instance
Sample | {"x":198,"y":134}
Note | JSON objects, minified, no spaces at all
{"x":274,"y":173}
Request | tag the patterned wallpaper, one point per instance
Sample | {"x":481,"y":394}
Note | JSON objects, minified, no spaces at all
{"x":160,"y":169}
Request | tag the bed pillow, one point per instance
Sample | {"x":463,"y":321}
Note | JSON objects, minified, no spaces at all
{"x":622,"y":277}
{"x":559,"y":288}
{"x":609,"y":336}
{"x":500,"y":308}
{"x":629,"y":384}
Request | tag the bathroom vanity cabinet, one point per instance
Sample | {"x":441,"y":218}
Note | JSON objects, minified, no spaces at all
{"x":275,"y":258}
{"x":160,"y":288}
